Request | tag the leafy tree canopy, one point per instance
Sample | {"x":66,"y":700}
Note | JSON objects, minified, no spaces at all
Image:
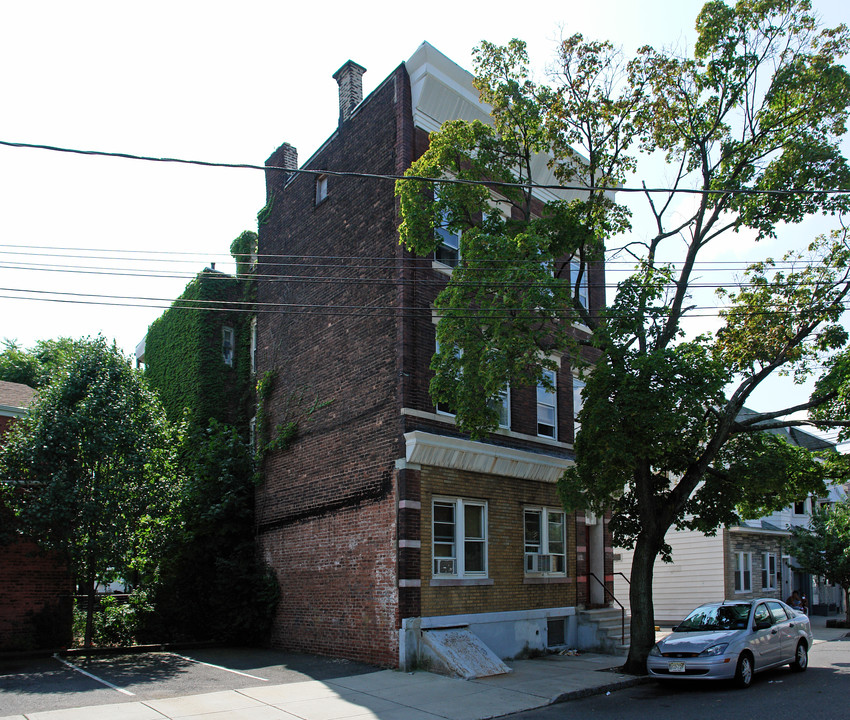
{"x":92,"y":466}
{"x":36,"y":366}
{"x":752,"y":122}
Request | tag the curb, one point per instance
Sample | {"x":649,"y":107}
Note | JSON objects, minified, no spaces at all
{"x":601,"y":689}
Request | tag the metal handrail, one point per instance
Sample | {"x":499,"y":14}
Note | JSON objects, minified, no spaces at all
{"x":624,"y":577}
{"x":622,"y":608}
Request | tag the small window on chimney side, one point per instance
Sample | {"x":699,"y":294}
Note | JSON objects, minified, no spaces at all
{"x":227,"y":345}
{"x":321,"y":188}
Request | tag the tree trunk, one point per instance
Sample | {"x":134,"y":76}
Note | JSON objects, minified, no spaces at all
{"x":642,"y":626}
{"x":847,"y":605}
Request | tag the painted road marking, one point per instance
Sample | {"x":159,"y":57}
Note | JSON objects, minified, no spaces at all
{"x":93,"y":677}
{"x":220,"y":667}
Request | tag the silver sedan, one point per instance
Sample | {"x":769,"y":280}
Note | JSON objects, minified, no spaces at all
{"x":733,"y":640}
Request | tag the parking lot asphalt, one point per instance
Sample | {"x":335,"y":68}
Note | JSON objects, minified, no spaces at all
{"x":29,"y":685}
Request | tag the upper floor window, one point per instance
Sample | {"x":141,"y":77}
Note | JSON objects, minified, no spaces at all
{"x":448,"y":251}
{"x":321,"y":188}
{"x":253,"y":345}
{"x":578,"y":403}
{"x":583,"y":292}
{"x":545,"y":542}
{"x":503,"y":406}
{"x":459,"y":537}
{"x":800,"y":507}
{"x":547,"y":407}
{"x":227,"y":345}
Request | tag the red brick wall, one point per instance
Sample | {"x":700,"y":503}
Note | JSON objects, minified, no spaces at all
{"x":35,"y":602}
{"x":326,"y":509}
{"x":337,"y":577}
{"x":35,"y":592}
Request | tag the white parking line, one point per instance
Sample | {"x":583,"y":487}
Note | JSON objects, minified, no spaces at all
{"x":93,"y":677}
{"x":220,"y":667}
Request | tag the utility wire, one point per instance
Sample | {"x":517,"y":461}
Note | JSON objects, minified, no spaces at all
{"x":420,"y":178}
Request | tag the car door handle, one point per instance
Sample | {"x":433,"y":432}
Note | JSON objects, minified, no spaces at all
{"x":773,"y":632}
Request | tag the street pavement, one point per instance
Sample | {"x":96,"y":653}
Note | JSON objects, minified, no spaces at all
{"x":391,"y":694}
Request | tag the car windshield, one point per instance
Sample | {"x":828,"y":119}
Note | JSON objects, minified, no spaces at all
{"x":716,"y":617}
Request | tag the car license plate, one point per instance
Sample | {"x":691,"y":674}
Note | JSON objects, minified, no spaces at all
{"x":676,"y":667}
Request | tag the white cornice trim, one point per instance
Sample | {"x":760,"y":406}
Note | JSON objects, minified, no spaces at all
{"x":459,"y":454}
{"x":10,"y":411}
{"x":450,"y":420}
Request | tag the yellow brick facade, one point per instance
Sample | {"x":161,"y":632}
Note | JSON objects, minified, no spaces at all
{"x":510,"y":589}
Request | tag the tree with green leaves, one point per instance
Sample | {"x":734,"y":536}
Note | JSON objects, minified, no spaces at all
{"x":36,"y":366}
{"x":751,"y":125}
{"x":92,"y":468}
{"x":823,"y":548}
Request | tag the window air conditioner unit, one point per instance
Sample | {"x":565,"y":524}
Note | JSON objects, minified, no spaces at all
{"x":445,"y":567}
{"x":538,"y":562}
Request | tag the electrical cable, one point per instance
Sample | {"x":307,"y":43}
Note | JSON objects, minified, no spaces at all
{"x":446,"y":181}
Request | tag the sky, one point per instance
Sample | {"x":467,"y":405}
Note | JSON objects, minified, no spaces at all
{"x":93,"y":245}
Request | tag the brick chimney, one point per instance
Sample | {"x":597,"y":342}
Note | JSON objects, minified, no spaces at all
{"x":285,"y":157}
{"x":350,"y":80}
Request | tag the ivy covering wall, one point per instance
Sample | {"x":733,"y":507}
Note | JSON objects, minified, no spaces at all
{"x":183,"y":352}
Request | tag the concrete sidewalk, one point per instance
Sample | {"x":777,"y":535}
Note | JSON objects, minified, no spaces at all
{"x":394,"y":695}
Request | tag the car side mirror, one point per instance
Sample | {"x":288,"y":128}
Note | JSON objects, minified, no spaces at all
{"x":763,"y":624}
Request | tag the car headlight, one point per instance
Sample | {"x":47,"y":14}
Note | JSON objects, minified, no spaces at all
{"x":714,"y":650}
{"x":655,"y":652}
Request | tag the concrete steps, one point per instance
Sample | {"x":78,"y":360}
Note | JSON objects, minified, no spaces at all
{"x":611,"y":636}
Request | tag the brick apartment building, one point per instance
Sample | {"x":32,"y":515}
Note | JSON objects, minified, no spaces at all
{"x":383,"y":521}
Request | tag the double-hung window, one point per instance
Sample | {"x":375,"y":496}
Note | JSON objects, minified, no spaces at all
{"x":502,"y":405}
{"x":743,"y":572}
{"x":583,"y":292}
{"x":459,"y":538}
{"x":768,"y":572}
{"x":547,"y":407}
{"x":545,"y":542}
{"x":578,"y":402}
{"x":321,"y":189}
{"x":448,"y":251}
{"x":228,"y":342}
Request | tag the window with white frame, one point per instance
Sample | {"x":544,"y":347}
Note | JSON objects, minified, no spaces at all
{"x":545,"y":542}
{"x":448,"y":251}
{"x":443,"y":408}
{"x":743,"y":572}
{"x":800,"y":507}
{"x":459,"y":538}
{"x":321,"y":188}
{"x":254,"y":345}
{"x":769,"y":573}
{"x":547,"y":408}
{"x":227,"y":345}
{"x":502,"y":405}
{"x":583,"y":292}
{"x":578,"y":402}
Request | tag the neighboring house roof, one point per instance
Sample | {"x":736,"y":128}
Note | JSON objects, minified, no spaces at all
{"x":794,"y":435}
{"x":15,"y":398}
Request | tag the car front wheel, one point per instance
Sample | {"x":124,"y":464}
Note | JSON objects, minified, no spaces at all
{"x":744,"y":671}
{"x":801,"y":658}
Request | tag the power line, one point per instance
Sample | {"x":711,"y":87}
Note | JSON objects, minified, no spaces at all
{"x":420,"y":178}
